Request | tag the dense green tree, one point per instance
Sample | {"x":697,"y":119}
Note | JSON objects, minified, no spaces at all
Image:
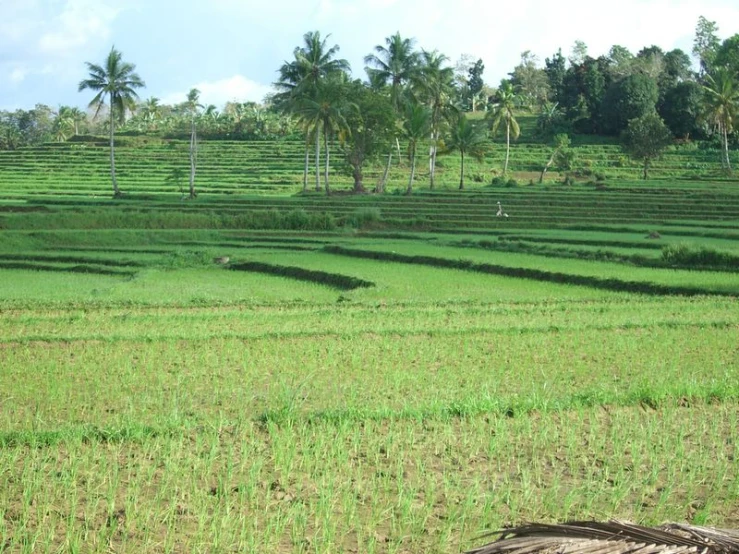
{"x":468,"y":139}
{"x":621,"y":60}
{"x":117,"y":80}
{"x":629,"y":98}
{"x":681,"y":108}
{"x":475,"y":83}
{"x":727,"y":54}
{"x":578,"y":53}
{"x":555,"y":68}
{"x":502,"y":113}
{"x":721,"y":107}
{"x":371,"y":121}
{"x":678,"y":67}
{"x":583,"y":91}
{"x":646,"y":138}
{"x":416,"y":127}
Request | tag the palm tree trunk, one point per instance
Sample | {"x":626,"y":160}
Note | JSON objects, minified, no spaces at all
{"x":461,"y":172}
{"x":508,"y":147}
{"x":116,"y":190}
{"x":381,"y":185}
{"x":726,"y":150}
{"x":431,"y":163}
{"x":325,"y":145}
{"x":546,"y":167}
{"x":646,"y":169}
{"x":409,"y":190}
{"x":305,"y":169}
{"x":193,"y":140}
{"x":318,"y":161}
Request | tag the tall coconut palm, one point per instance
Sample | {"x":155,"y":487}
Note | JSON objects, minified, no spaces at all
{"x":298,"y":82}
{"x":416,"y":127}
{"x":393,"y":65}
{"x":117,"y":80}
{"x":192,"y":108}
{"x":326,"y":115}
{"x":467,"y":139}
{"x":721,"y":106}
{"x":502,"y":112}
{"x":434,"y":85}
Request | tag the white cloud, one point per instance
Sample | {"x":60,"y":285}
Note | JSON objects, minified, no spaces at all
{"x":232,"y":89}
{"x":80,"y":23}
{"x":18,"y":75}
{"x":39,"y":34}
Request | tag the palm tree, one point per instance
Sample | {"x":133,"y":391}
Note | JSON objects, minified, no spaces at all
{"x":298,"y":83}
{"x":64,"y":124}
{"x":416,"y":126}
{"x":325,"y":114}
{"x":77,"y":116}
{"x":434,"y":83}
{"x":117,"y":80}
{"x":394,"y":66}
{"x":151,"y":112}
{"x":721,"y":106}
{"x":192,"y":108}
{"x":468,"y":139}
{"x":502,"y":112}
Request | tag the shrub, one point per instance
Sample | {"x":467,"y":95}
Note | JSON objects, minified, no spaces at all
{"x":363,"y":216}
{"x":686,"y":256}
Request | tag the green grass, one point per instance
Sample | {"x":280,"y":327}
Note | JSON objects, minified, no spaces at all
{"x":385,"y":374}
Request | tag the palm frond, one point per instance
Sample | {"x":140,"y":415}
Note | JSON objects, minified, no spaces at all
{"x":612,"y":537}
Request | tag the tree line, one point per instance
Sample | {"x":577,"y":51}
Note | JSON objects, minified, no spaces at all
{"x":417,"y":97}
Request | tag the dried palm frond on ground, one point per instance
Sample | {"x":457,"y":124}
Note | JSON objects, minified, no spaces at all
{"x":613,"y":537}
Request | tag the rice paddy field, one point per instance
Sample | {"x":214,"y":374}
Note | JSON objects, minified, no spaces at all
{"x":374,"y":374}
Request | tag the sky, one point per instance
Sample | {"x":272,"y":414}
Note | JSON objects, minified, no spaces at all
{"x":231,"y":49}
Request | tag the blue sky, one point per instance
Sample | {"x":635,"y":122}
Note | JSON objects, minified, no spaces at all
{"x":231,"y":49}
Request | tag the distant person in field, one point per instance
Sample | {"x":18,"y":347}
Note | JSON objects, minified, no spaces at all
{"x":501,"y":213}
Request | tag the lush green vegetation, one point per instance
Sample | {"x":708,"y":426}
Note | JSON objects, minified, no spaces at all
{"x":373,"y":385}
{"x":260,"y":367}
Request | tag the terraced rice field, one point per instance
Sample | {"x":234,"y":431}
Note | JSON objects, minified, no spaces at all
{"x":155,"y":166}
{"x":379,"y":374}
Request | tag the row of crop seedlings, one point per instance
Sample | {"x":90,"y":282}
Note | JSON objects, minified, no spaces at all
{"x":574,"y":212}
